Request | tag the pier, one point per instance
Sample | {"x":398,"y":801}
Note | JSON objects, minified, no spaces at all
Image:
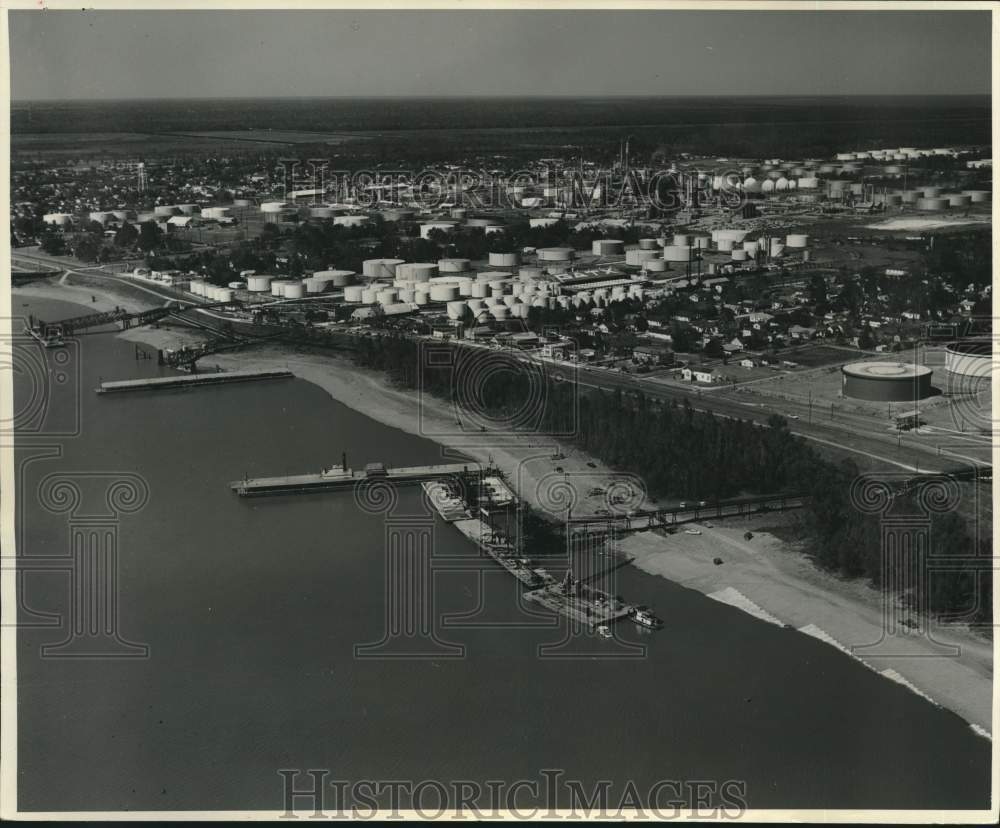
{"x":342,"y":477}
{"x":168,"y":383}
{"x":573,"y":598}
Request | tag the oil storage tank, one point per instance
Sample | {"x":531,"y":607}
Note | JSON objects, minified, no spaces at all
{"x":453,"y":265}
{"x":932,"y":203}
{"x":504,"y":259}
{"x":607,"y":247}
{"x":380,"y":268}
{"x":338,"y":278}
{"x":258,"y":284}
{"x":637,"y":258}
{"x":555,"y":254}
{"x":886,"y":381}
{"x":676,"y":253}
{"x":969,"y":358}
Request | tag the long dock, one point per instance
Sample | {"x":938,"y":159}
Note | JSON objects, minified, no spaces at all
{"x":342,"y":478}
{"x":166,"y":383}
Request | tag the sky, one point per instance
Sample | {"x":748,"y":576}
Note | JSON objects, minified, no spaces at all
{"x":177,"y":54}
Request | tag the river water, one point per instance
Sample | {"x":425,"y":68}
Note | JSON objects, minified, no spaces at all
{"x":253,"y":611}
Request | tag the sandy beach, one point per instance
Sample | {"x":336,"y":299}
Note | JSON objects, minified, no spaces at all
{"x":765,"y":576}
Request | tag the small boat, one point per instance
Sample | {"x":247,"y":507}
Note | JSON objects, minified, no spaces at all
{"x":604,"y":631}
{"x":692,"y":531}
{"x":644,"y":616}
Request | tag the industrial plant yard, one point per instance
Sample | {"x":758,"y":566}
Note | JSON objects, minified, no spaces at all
{"x":402,"y":401}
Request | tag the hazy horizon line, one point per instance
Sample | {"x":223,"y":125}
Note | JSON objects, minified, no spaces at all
{"x":495,"y":96}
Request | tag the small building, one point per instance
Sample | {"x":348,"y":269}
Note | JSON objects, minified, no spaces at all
{"x":653,"y":354}
{"x":556,"y":350}
{"x":479,"y":333}
{"x":697,"y":375}
{"x":524,"y":340}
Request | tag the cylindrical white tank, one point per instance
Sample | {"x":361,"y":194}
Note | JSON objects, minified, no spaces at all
{"x":421,"y":297}
{"x":465,"y":287}
{"x":422,"y":271}
{"x":797,"y":240}
{"x":676,"y":253}
{"x":444,"y":292}
{"x":682,"y":240}
{"x":258,"y":284}
{"x":499,"y":312}
{"x":555,"y":254}
{"x":387,"y":296}
{"x":456,"y":310}
{"x":504,"y":259}
{"x":453,"y":265}
{"x":935,"y":203}
{"x":354,"y":294}
{"x":314,"y":285}
{"x":480,"y":290}
{"x":380,"y":268}
{"x":648,"y":244}
{"x":739,"y":255}
{"x":726,"y":245}
{"x":637,"y":257}
{"x":751,"y":248}
{"x":959,"y":200}
{"x":338,"y":278}
{"x":655,"y":265}
{"x":164,"y":210}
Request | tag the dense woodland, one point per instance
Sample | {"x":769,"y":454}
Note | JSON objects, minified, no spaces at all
{"x":684,"y":453}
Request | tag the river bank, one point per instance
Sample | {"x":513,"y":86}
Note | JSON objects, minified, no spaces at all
{"x":765,"y":576}
{"x":765,"y":573}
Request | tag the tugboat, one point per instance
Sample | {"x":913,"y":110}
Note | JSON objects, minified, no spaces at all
{"x":644,"y":616}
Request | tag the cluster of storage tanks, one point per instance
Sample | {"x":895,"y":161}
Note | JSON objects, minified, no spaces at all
{"x":656,"y":255}
{"x":199,"y":287}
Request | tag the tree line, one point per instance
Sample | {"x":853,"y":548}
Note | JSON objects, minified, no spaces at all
{"x":682,"y":453}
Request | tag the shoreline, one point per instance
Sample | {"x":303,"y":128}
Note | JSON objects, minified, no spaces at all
{"x":767,"y":577}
